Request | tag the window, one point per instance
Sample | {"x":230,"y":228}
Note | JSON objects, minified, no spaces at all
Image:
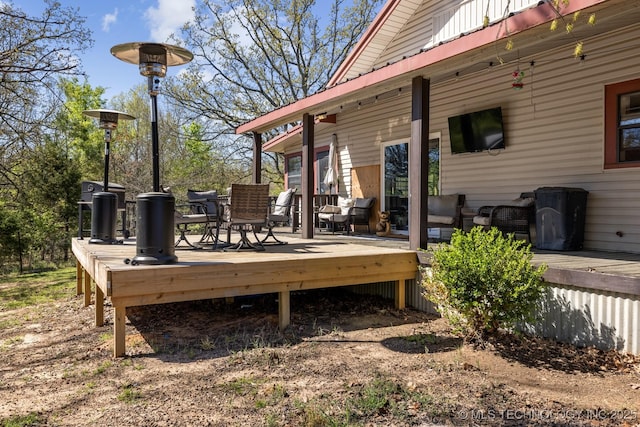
{"x":622,"y":125}
{"x":293,"y":172}
{"x":322,"y":164}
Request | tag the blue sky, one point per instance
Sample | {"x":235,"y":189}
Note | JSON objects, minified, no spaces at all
{"x":120,"y":21}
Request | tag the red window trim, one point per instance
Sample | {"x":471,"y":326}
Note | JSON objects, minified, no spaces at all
{"x":611,"y":93}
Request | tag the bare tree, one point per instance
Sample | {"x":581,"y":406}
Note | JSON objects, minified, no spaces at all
{"x":34,"y":53}
{"x":253,"y":56}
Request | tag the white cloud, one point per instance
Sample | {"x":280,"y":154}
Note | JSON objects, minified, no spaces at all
{"x":108,"y":20}
{"x":168,"y":17}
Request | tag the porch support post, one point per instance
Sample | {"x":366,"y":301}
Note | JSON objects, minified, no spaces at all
{"x":256,"y":177}
{"x":307,"y":175}
{"x":419,"y":163}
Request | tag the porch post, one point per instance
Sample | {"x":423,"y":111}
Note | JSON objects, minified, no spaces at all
{"x":307,"y":175}
{"x":256,"y":176}
{"x":419,"y":163}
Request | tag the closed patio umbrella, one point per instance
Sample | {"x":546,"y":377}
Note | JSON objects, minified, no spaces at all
{"x":331,"y":178}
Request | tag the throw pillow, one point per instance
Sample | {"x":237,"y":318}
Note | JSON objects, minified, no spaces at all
{"x":283,"y":202}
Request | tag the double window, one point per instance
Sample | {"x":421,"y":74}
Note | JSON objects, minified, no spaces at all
{"x":622,"y":125}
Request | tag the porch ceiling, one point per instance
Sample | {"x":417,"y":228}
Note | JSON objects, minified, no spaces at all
{"x":529,"y":31}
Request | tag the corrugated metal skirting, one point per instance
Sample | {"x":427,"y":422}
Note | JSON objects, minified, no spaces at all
{"x":590,"y":318}
{"x":605,"y":320}
{"x":413,"y":291}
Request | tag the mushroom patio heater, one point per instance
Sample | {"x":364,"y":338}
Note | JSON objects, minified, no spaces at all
{"x":104,"y":205}
{"x":155,"y":210}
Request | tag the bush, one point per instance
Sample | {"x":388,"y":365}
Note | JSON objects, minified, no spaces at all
{"x":483,"y":281}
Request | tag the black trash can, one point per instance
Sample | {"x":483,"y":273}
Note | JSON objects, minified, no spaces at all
{"x":560,"y":216}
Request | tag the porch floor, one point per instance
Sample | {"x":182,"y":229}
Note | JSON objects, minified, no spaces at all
{"x":605,"y":271}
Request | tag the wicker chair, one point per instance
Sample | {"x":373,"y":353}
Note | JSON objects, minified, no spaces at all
{"x":361,"y":212}
{"x":514,"y":217}
{"x":248,"y":210}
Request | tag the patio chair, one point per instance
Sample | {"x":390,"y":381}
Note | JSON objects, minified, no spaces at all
{"x":337,"y":216}
{"x":512,"y":217}
{"x":361,"y":212}
{"x":280,"y":214}
{"x":203,"y":209}
{"x":248,"y":209}
{"x":445,"y":211}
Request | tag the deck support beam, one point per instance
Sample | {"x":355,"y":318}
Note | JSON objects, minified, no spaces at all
{"x":119,"y":322}
{"x":87,"y":288}
{"x":400,"y":294}
{"x":284,"y":309}
{"x":79,"y":273}
{"x":99,"y":306}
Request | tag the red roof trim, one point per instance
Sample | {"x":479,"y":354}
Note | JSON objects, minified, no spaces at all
{"x":282,"y":137}
{"x":516,"y":24}
{"x":364,"y":41}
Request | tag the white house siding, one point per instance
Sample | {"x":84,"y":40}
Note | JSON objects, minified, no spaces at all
{"x":553,"y":133}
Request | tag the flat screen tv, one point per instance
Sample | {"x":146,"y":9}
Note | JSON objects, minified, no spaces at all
{"x":478,"y":131}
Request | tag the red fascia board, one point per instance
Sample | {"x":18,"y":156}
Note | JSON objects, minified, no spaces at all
{"x":282,"y":137}
{"x":364,"y":41}
{"x":516,"y":24}
{"x":296,"y":130}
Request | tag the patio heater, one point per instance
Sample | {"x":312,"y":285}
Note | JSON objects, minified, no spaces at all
{"x":155,"y":210}
{"x":104,"y":205}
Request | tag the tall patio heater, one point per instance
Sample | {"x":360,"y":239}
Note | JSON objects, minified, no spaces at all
{"x":104,"y":205}
{"x":155,"y":210}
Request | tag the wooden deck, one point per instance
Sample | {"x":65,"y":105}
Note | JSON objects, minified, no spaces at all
{"x":326,"y":261}
{"x":202,"y":274}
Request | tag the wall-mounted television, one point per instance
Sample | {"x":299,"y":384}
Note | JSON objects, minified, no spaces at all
{"x":477,"y":131}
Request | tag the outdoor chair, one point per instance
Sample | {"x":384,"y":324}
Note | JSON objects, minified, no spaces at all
{"x":202,"y":209}
{"x":445,"y":211}
{"x":247,"y":209}
{"x":361,"y":212}
{"x":320,"y":200}
{"x":280,"y":213}
{"x":512,"y":217}
{"x":337,"y":216}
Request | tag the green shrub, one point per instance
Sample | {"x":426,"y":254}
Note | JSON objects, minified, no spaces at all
{"x":483,"y":281}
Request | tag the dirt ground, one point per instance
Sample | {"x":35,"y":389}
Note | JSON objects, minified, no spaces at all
{"x":346,"y":360}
